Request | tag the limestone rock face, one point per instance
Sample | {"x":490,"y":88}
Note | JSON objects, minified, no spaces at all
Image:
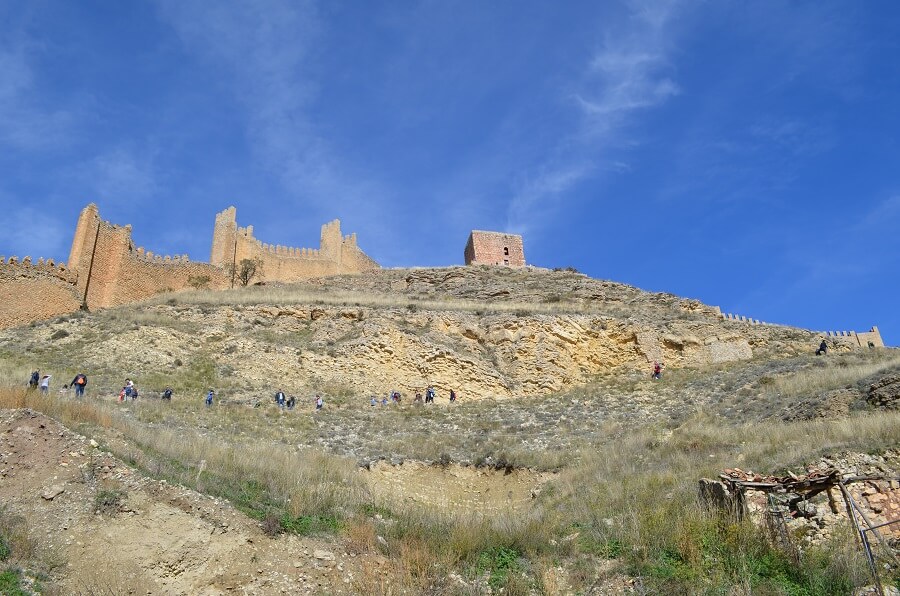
{"x":481,"y":333}
{"x":885,"y":393}
{"x":830,"y":405}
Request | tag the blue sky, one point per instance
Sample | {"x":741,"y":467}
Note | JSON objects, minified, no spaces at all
{"x":742,"y":153}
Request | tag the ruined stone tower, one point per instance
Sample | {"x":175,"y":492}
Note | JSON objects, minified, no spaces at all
{"x":494,"y":248}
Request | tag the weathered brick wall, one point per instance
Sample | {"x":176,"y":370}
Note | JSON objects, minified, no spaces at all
{"x":494,"y":248}
{"x":30,"y":292}
{"x":336,"y":253}
{"x":112,"y":271}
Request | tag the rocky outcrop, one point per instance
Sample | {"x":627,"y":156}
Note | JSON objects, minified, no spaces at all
{"x":885,"y":393}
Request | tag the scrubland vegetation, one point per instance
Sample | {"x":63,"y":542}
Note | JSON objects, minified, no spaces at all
{"x":625,"y":452}
{"x":623,"y":507}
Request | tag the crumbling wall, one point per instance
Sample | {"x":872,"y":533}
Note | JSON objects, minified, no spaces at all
{"x":34,"y":291}
{"x":336,"y":253}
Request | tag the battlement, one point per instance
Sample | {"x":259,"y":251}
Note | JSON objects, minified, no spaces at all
{"x":862,"y":339}
{"x":336,"y":253}
{"x":145,"y":255}
{"x":26,"y":266}
{"x":748,"y":320}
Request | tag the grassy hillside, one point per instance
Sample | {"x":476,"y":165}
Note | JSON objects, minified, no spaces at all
{"x":620,"y":512}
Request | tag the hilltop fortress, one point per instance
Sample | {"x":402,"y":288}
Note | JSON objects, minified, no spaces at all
{"x":105,"y":267}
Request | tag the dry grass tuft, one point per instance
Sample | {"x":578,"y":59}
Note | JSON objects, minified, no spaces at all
{"x":829,"y":374}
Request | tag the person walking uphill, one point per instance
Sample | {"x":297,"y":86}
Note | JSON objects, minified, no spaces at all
{"x":45,"y":384}
{"x":823,"y":349}
{"x":209,"y":398}
{"x":79,"y":383}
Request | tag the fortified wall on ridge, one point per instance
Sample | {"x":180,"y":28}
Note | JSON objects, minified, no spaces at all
{"x":107,"y":269}
{"x":336,"y":253}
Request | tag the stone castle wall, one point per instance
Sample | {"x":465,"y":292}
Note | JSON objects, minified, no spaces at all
{"x":106,"y":268}
{"x":33,"y":291}
{"x":111,"y":270}
{"x":494,"y":248}
{"x":853,"y":339}
{"x":336,"y":253}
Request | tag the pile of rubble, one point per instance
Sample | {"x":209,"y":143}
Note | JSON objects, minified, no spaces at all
{"x":812,"y":503}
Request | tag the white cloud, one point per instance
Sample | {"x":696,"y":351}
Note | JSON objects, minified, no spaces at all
{"x":266,"y":50}
{"x":120,"y":175}
{"x":26,"y":121}
{"x":631,"y":72}
{"x":32,"y":232}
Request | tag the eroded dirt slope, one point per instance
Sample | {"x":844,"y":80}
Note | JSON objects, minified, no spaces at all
{"x":159,"y":539}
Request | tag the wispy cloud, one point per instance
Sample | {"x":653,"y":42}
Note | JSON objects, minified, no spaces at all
{"x":267,"y":50}
{"x":27,"y":121}
{"x":121,"y":175}
{"x":630,"y":73}
{"x":33,"y":232}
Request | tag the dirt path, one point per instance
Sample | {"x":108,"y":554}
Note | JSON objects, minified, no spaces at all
{"x":152,"y":538}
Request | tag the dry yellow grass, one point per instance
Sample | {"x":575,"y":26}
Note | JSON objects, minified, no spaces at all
{"x":286,"y":295}
{"x":830,"y":376}
{"x":631,"y":494}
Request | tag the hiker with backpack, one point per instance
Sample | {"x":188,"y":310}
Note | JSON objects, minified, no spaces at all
{"x":209,"y":398}
{"x":823,"y":349}
{"x":34,"y":380}
{"x":79,"y":383}
{"x":167,"y":394}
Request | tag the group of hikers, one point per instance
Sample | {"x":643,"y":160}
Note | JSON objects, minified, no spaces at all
{"x":397,"y":398}
{"x":37,"y":380}
{"x":129,"y":391}
{"x":288,"y":403}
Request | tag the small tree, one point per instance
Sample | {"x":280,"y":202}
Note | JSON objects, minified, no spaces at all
{"x":248,"y":269}
{"x":199,"y":282}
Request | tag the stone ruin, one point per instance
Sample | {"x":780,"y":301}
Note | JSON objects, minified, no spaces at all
{"x":856,"y":489}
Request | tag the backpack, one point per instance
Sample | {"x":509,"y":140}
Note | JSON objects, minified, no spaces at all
{"x":80,"y":380}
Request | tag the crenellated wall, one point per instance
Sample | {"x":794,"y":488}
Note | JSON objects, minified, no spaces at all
{"x":111,"y":270}
{"x":336,"y":253}
{"x":31,"y":291}
{"x":106,"y":268}
{"x":853,"y":339}
{"x":862,"y":339}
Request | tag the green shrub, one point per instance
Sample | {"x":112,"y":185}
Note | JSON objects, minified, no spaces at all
{"x":108,"y":501}
{"x":11,"y":583}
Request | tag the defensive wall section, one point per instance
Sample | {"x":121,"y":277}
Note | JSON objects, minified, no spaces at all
{"x":33,"y":291}
{"x":853,"y":339}
{"x":106,"y":269}
{"x":112,"y":271}
{"x":336,"y":253}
